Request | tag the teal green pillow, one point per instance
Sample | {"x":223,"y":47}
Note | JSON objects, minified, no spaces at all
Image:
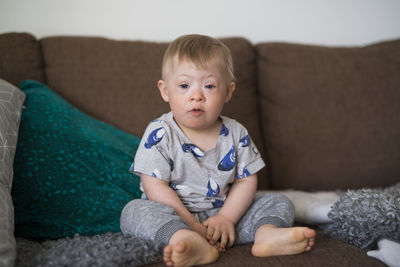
{"x":71,"y":171}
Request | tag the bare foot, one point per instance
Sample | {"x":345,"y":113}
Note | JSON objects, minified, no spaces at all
{"x":272,"y":241}
{"x":188,"y":248}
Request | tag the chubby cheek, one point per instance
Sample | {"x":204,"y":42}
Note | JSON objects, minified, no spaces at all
{"x":177,"y":106}
{"x":216,"y":107}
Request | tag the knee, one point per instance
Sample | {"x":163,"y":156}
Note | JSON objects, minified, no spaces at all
{"x":140,"y":211}
{"x":132,"y":213}
{"x":133,"y":206}
{"x":268,"y":197}
{"x":128,"y":214}
{"x":276,"y":200}
{"x":284,"y":199}
{"x":139,"y":206}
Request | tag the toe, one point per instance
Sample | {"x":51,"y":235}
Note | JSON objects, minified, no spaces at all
{"x":180,"y":247}
{"x":168,"y":250}
{"x":167,"y":255}
{"x":309,"y":233}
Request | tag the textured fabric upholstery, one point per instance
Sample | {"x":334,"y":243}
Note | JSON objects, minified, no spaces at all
{"x":21,"y":58}
{"x":330,"y":116}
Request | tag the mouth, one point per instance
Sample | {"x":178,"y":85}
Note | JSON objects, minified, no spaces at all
{"x":196,"y":111}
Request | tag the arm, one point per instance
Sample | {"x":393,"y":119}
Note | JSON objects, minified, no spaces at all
{"x":240,"y":196}
{"x":159,"y":191}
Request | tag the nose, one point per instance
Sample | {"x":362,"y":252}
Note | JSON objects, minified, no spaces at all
{"x":197,"y":95}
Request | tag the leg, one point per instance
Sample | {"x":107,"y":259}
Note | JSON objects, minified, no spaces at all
{"x":267,"y":223}
{"x":154,"y":221}
{"x":188,"y":248}
{"x":150,"y":220}
{"x":273,"y":209}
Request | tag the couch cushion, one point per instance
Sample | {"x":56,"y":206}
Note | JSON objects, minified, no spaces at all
{"x":326,"y":252}
{"x":71,"y":171}
{"x":330,"y":115}
{"x":20,"y":58}
{"x":116,"y":81}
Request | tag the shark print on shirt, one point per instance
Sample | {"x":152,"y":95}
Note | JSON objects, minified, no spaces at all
{"x":218,"y":203}
{"x":192,"y":149}
{"x":213,"y":188}
{"x":224,"y":130}
{"x":154,"y":137}
{"x":243,"y":171}
{"x":156,"y":173}
{"x":244,"y":142}
{"x":228,"y":162}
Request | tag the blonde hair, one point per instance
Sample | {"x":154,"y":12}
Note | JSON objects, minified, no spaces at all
{"x":202,"y":50}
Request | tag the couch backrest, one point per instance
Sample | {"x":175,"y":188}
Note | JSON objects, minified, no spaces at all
{"x":20,"y":58}
{"x":330,"y":116}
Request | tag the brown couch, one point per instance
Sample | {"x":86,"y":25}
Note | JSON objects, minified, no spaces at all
{"x":324,"y":118}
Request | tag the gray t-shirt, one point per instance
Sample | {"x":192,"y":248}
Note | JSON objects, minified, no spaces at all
{"x":201,"y":179}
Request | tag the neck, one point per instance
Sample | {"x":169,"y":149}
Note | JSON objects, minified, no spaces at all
{"x":205,"y":139}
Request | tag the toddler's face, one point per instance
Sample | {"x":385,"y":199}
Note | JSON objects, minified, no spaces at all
{"x":196,"y":96}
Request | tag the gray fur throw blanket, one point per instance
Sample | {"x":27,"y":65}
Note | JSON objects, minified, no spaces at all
{"x":110,"y":249}
{"x":363,"y":217}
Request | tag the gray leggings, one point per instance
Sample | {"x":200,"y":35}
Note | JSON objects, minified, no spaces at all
{"x":154,"y":221}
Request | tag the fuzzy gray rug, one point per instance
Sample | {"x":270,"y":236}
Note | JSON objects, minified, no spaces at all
{"x":110,"y":249}
{"x":363,"y":217}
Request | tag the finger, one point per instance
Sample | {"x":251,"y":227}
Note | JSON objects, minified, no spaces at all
{"x":220,"y":249}
{"x":224,"y":240}
{"x":210,"y":233}
{"x":203,"y":231}
{"x":205,"y":223}
{"x":231,"y":238}
{"x":216,"y":236}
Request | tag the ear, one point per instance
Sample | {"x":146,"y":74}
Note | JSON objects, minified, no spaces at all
{"x":229,"y":92}
{"x":163,"y":90}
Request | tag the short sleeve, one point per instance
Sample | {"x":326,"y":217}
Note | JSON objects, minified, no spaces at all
{"x":152,"y":156}
{"x":249,"y":160}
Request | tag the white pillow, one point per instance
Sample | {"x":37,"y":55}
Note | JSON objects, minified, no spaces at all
{"x":11,"y":100}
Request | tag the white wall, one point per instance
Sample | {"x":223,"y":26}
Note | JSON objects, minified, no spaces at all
{"x":327,"y":22}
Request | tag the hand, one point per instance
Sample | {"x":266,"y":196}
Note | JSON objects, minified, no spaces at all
{"x":220,"y":228}
{"x":199,"y":228}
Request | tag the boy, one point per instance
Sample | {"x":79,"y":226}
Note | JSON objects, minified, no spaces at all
{"x":199,"y":169}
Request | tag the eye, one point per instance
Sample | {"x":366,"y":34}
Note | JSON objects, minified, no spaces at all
{"x":184,"y":86}
{"x":210,"y":86}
